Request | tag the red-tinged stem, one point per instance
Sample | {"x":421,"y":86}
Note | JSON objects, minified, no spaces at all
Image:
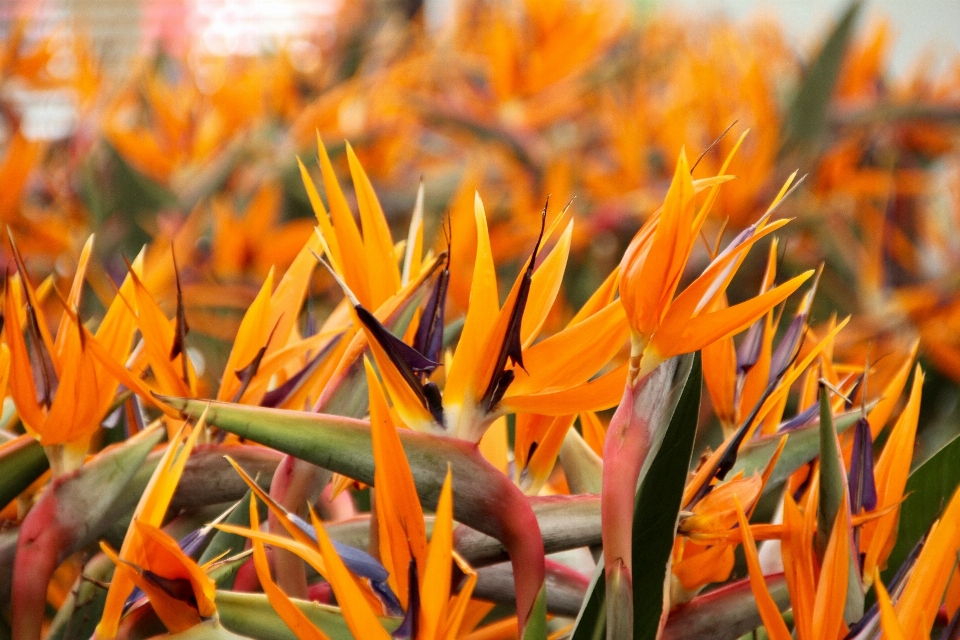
{"x":625,"y":448}
{"x":727,"y":612}
{"x":520,"y":534}
{"x":295,"y":485}
{"x":247,"y":580}
{"x":335,"y":509}
{"x":631,"y":435}
{"x":39,"y":545}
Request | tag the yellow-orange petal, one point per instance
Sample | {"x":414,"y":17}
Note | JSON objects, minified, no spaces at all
{"x":435,"y":589}
{"x":291,"y":615}
{"x":769,"y":612}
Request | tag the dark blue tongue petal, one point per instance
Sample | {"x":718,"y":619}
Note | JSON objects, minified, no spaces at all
{"x":408,"y":628}
{"x":863,"y":487}
{"x":429,"y":337}
{"x":361,"y":564}
{"x":800,"y":419}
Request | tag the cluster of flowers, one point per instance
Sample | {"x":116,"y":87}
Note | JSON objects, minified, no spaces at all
{"x":550,"y":430}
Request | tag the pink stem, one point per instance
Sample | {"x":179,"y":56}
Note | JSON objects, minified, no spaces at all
{"x":39,"y":544}
{"x":295,"y":485}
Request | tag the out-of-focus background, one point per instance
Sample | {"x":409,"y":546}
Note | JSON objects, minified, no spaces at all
{"x":120,"y":30}
{"x":179,"y":122}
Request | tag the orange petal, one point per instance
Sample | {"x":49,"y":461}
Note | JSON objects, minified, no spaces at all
{"x":890,"y":473}
{"x":291,"y":615}
{"x":354,"y":606}
{"x":769,"y":612}
{"x":348,"y":235}
{"x":831,"y":596}
{"x":383,"y":271}
{"x":484,"y":304}
{"x":251,"y":337}
{"x":435,"y":589}
{"x":399,"y":515}
{"x":888,"y":617}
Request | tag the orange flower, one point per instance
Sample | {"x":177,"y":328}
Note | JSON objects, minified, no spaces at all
{"x":62,"y":389}
{"x":663,"y":325}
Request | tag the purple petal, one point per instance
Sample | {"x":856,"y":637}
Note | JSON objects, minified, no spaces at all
{"x":802,"y":418}
{"x":787,"y":349}
{"x":749,"y":351}
{"x":863,"y":488}
{"x":408,"y":628}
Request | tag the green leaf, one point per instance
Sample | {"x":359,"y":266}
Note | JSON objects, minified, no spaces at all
{"x":224,"y":544}
{"x":536,"y":628}
{"x":803,"y":445}
{"x":86,"y":495}
{"x":22,"y":461}
{"x":806,"y":121}
{"x":833,"y":487}
{"x":832,"y":477}
{"x":928,"y":490}
{"x":81,"y":611}
{"x":251,"y":614}
{"x":591,"y":623}
{"x":61,"y":521}
{"x":207,"y":630}
{"x":566,"y":522}
{"x":657,"y":508}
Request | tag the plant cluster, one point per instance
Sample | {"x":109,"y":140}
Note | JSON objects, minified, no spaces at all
{"x":301,"y":410}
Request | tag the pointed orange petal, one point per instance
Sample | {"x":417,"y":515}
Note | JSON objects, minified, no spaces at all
{"x":354,"y":606}
{"x":435,"y":589}
{"x":291,"y":615}
{"x":702,"y":330}
{"x":150,"y":510}
{"x":166,"y":559}
{"x":494,"y":447}
{"x":21,"y":373}
{"x":378,"y":245}
{"x":831,"y":596}
{"x":798,"y":561}
{"x":288,"y":297}
{"x":594,"y":432}
{"x":73,"y":298}
{"x":540,"y":465}
{"x":484,"y":304}
{"x":601,"y":393}
{"x":571,"y":356}
{"x":323,"y":220}
{"x":600,"y":298}
{"x":544,"y":287}
{"x":769,"y":612}
{"x":251,"y":337}
{"x":450,"y":629}
{"x":888,"y":617}
{"x":348,"y":235}
{"x":278,"y":511}
{"x":402,"y":534}
{"x":890,"y":473}
{"x":405,"y":400}
{"x":920,"y":599}
{"x":891,"y":394}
